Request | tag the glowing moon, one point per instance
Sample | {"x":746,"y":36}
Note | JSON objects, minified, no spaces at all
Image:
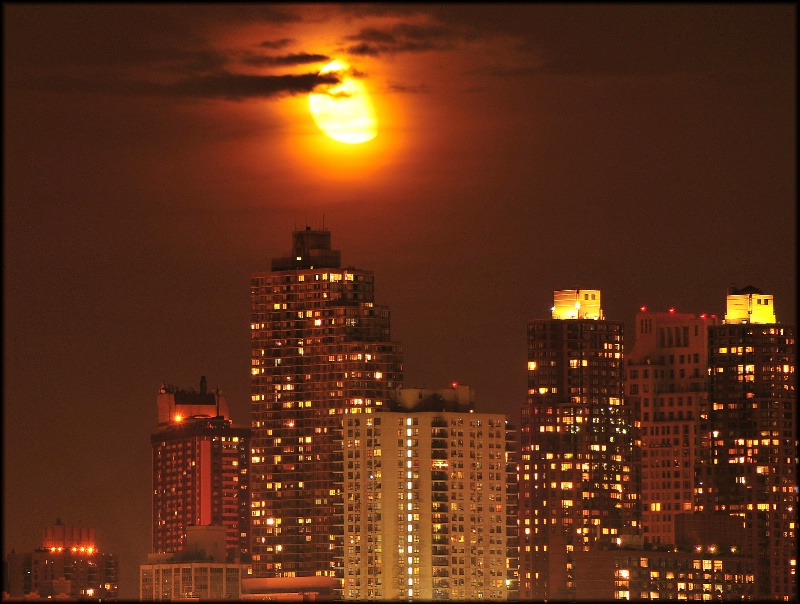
{"x":344,"y":111}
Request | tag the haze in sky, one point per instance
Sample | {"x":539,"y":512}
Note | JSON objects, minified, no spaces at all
{"x":156,"y":155}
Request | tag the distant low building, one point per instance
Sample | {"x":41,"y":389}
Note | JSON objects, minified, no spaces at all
{"x":696,"y":575}
{"x":68,"y":565}
{"x":290,"y":589}
{"x":198,"y":572}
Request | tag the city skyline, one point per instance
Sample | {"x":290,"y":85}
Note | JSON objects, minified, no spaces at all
{"x":646,"y":151}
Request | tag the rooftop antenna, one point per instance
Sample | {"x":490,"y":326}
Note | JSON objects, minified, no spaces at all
{"x":323,"y":221}
{"x":216,"y":397}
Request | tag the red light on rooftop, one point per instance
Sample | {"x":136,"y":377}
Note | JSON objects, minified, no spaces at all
{"x":672,"y":310}
{"x":713,"y":316}
{"x":454,"y":385}
{"x":703,"y":316}
{"x":643,"y":309}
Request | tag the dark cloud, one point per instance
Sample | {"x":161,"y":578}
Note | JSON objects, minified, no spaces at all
{"x":276,"y":44}
{"x":420,"y":88}
{"x":285,"y":60}
{"x":370,"y":34}
{"x":192,"y":61}
{"x":238,"y":87}
{"x":404,"y":37}
{"x":364,"y":50}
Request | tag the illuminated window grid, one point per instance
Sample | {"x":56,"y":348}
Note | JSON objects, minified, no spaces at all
{"x":320,"y":349}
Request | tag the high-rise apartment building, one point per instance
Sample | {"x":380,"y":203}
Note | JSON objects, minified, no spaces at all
{"x":430,"y":501}
{"x":321,"y":352}
{"x":576,"y":444}
{"x":667,"y":382}
{"x":750,"y":470}
{"x":200,"y":470}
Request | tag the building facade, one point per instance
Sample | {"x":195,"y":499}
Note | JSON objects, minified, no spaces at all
{"x":69,"y":564}
{"x":430,"y":501}
{"x":698,"y":575}
{"x":576,"y":475}
{"x":667,"y":389}
{"x":168,"y":581}
{"x":200,"y":471}
{"x":321,"y":352}
{"x":750,"y":465}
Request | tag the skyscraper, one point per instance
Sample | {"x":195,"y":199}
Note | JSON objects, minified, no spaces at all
{"x":200,"y":470}
{"x":321,"y":350}
{"x":750,"y":470}
{"x":667,"y":382}
{"x":576,"y":446}
{"x":430,"y":501}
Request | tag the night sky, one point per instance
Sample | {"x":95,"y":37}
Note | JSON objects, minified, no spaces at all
{"x":156,"y":156}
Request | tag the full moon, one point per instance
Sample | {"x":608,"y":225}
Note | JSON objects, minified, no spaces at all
{"x":344,"y":111}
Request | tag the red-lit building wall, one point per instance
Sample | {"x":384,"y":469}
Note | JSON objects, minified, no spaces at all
{"x":200,"y":478}
{"x":666,"y":385}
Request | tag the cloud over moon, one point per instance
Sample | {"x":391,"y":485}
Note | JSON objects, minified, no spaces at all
{"x":286,"y":60}
{"x":238,"y":87}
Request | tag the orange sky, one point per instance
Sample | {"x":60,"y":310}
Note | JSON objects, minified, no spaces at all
{"x":157,"y":155}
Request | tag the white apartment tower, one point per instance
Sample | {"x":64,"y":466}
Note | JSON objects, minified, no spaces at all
{"x":430,"y":510}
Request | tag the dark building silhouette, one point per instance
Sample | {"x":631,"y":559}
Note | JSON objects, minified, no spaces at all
{"x":321,"y":350}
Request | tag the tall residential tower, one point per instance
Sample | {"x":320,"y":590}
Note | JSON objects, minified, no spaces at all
{"x":321,"y":350}
{"x":576,"y":444}
{"x":751,"y":466}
